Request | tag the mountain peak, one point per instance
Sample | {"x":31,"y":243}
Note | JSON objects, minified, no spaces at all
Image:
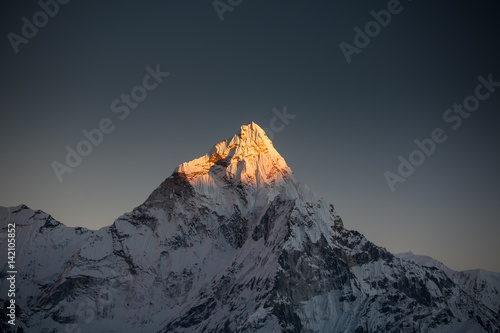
{"x":250,"y":139}
{"x":231,"y":242}
{"x":247,"y":157}
{"x":253,"y":132}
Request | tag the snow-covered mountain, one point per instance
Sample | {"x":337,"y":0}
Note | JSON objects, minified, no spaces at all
{"x":230,"y":242}
{"x":483,"y":285}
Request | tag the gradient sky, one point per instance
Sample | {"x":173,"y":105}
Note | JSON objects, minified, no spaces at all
{"x":352,"y":120}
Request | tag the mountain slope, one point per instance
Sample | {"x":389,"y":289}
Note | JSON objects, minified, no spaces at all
{"x":230,"y":242}
{"x":482,"y":285}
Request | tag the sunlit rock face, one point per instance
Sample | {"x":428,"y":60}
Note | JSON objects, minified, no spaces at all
{"x":248,"y":157}
{"x":230,"y":242}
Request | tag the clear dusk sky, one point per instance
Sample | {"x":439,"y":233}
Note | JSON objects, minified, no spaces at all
{"x":352,"y":119}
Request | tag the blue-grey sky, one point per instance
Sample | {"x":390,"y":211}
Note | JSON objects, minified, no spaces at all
{"x":352,"y":120}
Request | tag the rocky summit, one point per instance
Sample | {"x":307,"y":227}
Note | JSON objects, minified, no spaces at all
{"x":230,"y":242}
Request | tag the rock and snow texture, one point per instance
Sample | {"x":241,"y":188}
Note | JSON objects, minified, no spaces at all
{"x":482,"y":285}
{"x":230,"y":242}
